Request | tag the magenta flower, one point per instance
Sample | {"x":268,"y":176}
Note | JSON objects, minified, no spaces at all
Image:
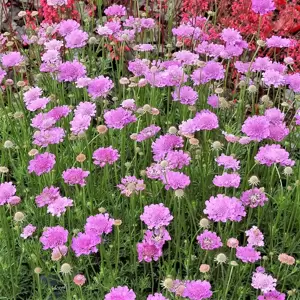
{"x":230,"y":35}
{"x":118,"y":118}
{"x":99,"y":224}
{"x":7,"y":191}
{"x":256,"y":127}
{"x":115,"y":10}
{"x":86,"y":109}
{"x":99,"y":86}
{"x":28,"y":231}
{"x":263,"y":282}
{"x":70,"y":71}
{"x":211,"y":71}
{"x":227,"y":180}
{"x":177,"y":159}
{"x":156,"y":296}
{"x":213,"y":101}
{"x":197,"y":290}
{"x":185,"y":95}
{"x":148,"y":251}
{"x":155,"y":171}
{"x":186,"y":57}
{"x":294,"y":82}
{"x":51,"y":136}
{"x":48,"y":196}
{"x":247,"y":254}
{"x":85,"y":244}
{"x":129,"y":104}
{"x":273,"y":78}
{"x":274,"y":116}
{"x":103,"y":156}
{"x":273,"y":295}
{"x":209,"y":240}
{"x":147,"y":133}
{"x":80,"y":124}
{"x":278,"y":42}
{"x":42,"y":121}
{"x":228,"y":162}
{"x":254,"y":197}
{"x":138,"y":67}
{"x":278,"y":132}
{"x":131,"y":185}
{"x":76,"y":39}
{"x":65,"y":27}
{"x":255,"y":237}
{"x":263,"y":7}
{"x":273,"y":154}
{"x":205,"y":120}
{"x":42,"y":163}
{"x":53,"y":45}
{"x":53,"y":237}
{"x":156,"y":216}
{"x":12,"y":59}
{"x":120,"y":293}
{"x":175,"y":180}
{"x":75,"y":176}
{"x":223,"y":208}
{"x":58,"y":112}
{"x":158,"y":237}
{"x":59,"y":206}
{"x":261,"y":64}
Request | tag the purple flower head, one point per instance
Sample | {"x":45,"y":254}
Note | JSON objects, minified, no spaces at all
{"x":131,"y":185}
{"x":2,"y":74}
{"x":213,"y":101}
{"x":175,"y":180}
{"x":86,"y":109}
{"x":256,"y":127}
{"x":263,"y":282}
{"x":118,"y":118}
{"x":147,"y":133}
{"x":53,"y":45}
{"x":12,"y":59}
{"x":278,"y":132}
{"x":42,"y":163}
{"x":58,"y":112}
{"x":156,"y":296}
{"x":76,"y":39}
{"x":273,"y":295}
{"x":227,"y":180}
{"x":261,"y":64}
{"x":32,"y":94}
{"x":223,"y":208}
{"x":247,"y":254}
{"x":59,"y":206}
{"x":211,"y":71}
{"x":273,"y":78}
{"x":174,"y":76}
{"x":255,"y":237}
{"x":228,"y":162}
{"x":115,"y":11}
{"x":65,"y":27}
{"x":177,"y":159}
{"x":99,"y":224}
{"x":103,"y":156}
{"x":230,"y":35}
{"x":242,"y":67}
{"x":42,"y":121}
{"x":75,"y":176}
{"x":158,"y":237}
{"x":138,"y":67}
{"x":186,"y":57}
{"x":28,"y":231}
{"x":71,"y":71}
{"x":156,"y":216}
{"x":294,"y":82}
{"x":254,"y":197}
{"x":187,"y":31}
{"x":48,"y":196}
{"x":206,"y":120}
{"x":263,"y":7}
{"x":85,"y":244}
{"x":144,"y":47}
{"x":7,"y":191}
{"x":273,"y":154}
{"x":53,"y":237}
{"x":80,"y":124}
{"x":209,"y":240}
{"x":39,"y":103}
{"x":99,"y":86}
{"x":187,"y":127}
{"x":120,"y":293}
{"x":185,"y":95}
{"x":129,"y":104}
{"x":147,"y":23}
{"x":155,"y":171}
{"x":50,"y":136}
{"x":274,"y":116}
{"x":147,"y":251}
{"x":197,"y":290}
{"x":83,"y":82}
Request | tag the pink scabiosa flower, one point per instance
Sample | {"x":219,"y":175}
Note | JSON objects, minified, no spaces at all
{"x":197,"y":290}
{"x":53,"y":45}
{"x":211,"y":71}
{"x":65,"y":27}
{"x":59,"y":206}
{"x":14,"y":200}
{"x":147,"y":23}
{"x":118,"y":118}
{"x":103,"y":156}
{"x":223,"y":208}
{"x":42,"y":121}
{"x":255,"y":237}
{"x":278,"y":42}
{"x":230,"y":138}
{"x":54,"y":237}
{"x":58,"y":112}
{"x":115,"y":11}
{"x":32,"y":94}
{"x":273,"y":154}
{"x":185,"y":95}
{"x":155,"y":171}
{"x":232,"y":243}
{"x":187,"y":127}
{"x":286,"y":259}
{"x":70,"y":71}
{"x":185,"y":57}
{"x":80,"y":124}
{"x":85,"y":244}
{"x":228,"y":162}
{"x":156,"y":296}
{"x":261,"y":64}
{"x":257,"y":128}
{"x":263,"y":282}
{"x":165,"y":143}
{"x":86,"y":109}
{"x":175,"y":76}
{"x":131,"y":185}
{"x":273,"y":295}
{"x":274,"y":116}
{"x":129,"y":104}
{"x":175,"y":180}
{"x":177,"y":159}
{"x":99,"y":86}
{"x":156,"y":216}
{"x":227,"y":180}
{"x":39,"y":103}
{"x":42,"y":163}
{"x":144,"y":47}
{"x":230,"y":35}
{"x":79,"y":279}
{"x":294,"y":82}
{"x":158,"y":237}
{"x":12,"y":59}
{"x":75,"y":176}
{"x":148,"y":251}
{"x":138,"y":67}
{"x":254,"y":197}
{"x":263,"y":7}
{"x":273,"y":78}
{"x":205,"y":120}
{"x":99,"y":224}
{"x":7,"y":190}
{"x":213,"y":101}
{"x":209,"y":240}
{"x":147,"y":133}
{"x":28,"y":231}
{"x":76,"y":39}
{"x":242,"y":67}
{"x":247,"y":254}
{"x":120,"y":293}
{"x":278,"y":132}
{"x":48,"y":196}
{"x":83,"y":82}
{"x":50,"y":136}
